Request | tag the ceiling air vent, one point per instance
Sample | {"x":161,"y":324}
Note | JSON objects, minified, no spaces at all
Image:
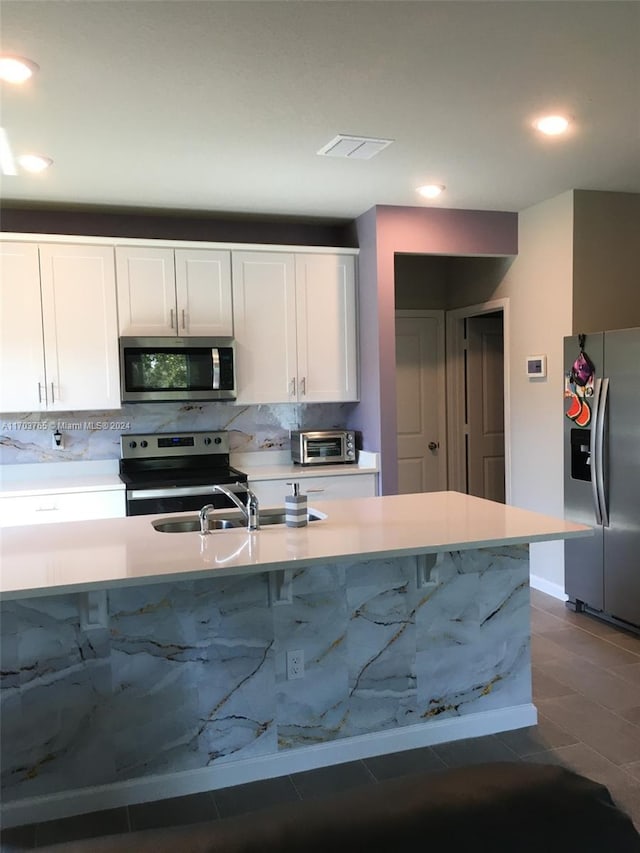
{"x":354,"y":147}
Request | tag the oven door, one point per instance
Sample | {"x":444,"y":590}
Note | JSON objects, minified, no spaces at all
{"x":176,"y":369}
{"x":171,"y":499}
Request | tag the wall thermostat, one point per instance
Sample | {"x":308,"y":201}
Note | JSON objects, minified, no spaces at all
{"x":536,"y":366}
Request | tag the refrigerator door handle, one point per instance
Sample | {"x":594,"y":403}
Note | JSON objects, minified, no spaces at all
{"x":593,"y":451}
{"x":600,"y":419}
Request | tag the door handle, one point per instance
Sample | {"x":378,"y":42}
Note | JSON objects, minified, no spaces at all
{"x":599,"y":472}
{"x":433,"y":445}
{"x":593,"y":450}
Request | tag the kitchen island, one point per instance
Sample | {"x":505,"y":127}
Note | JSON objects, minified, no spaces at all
{"x":138,"y":664}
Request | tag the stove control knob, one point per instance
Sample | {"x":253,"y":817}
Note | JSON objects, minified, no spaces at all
{"x":132,"y":444}
{"x":218,"y":440}
{"x":207,"y":441}
{"x":144,"y":444}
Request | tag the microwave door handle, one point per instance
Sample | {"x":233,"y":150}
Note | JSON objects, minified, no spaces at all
{"x":215,"y":363}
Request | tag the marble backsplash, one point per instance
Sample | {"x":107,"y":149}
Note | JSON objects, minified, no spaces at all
{"x":28,"y":437}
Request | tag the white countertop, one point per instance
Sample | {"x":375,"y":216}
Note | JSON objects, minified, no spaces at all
{"x":256,"y":467}
{"x":43,"y":478}
{"x":86,"y":555}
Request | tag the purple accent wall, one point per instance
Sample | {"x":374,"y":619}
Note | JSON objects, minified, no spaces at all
{"x":366,"y":416}
{"x":96,"y":222}
{"x":426,"y":231}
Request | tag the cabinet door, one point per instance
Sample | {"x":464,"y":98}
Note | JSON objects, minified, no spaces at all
{"x":339,"y":488}
{"x":146,"y":291}
{"x":22,"y":379}
{"x":203,"y":290}
{"x":264,"y":321}
{"x":66,"y":506}
{"x":326,"y":324}
{"x":80,"y":327}
{"x":319,"y":488}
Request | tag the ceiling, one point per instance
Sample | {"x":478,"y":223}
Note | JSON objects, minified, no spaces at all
{"x":221,"y":106}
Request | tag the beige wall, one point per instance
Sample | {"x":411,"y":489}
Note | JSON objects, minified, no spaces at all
{"x":538,"y":284}
{"x":539,"y":287}
{"x":606,"y":261}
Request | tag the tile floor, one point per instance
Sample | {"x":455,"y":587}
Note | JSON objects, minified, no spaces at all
{"x":586,"y":685}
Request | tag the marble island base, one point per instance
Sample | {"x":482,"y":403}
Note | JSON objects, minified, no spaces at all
{"x":183,"y":685}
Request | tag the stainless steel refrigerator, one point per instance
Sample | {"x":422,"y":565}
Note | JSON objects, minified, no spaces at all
{"x":602,"y":478}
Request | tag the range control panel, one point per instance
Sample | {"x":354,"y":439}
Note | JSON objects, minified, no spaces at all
{"x":153,"y":445}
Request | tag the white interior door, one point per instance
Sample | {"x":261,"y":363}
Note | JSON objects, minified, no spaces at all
{"x":420,"y":399}
{"x":485,"y":408}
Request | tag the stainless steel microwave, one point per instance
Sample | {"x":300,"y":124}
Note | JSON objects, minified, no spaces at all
{"x":161,"y":370}
{"x":323,"y":446}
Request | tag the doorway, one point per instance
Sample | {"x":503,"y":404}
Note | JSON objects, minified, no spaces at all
{"x":478,"y":400}
{"x":420,"y":401}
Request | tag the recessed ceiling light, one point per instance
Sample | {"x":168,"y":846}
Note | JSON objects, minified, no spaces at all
{"x":16,"y":69}
{"x":431,"y":190}
{"x":552,"y":125}
{"x":34,"y":162}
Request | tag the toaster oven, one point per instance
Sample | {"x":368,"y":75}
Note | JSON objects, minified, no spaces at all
{"x":323,"y":446}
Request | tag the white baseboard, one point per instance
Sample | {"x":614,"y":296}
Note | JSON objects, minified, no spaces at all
{"x":551,"y":588}
{"x":65,"y":804}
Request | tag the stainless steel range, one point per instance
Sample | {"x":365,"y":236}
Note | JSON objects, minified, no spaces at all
{"x":175,"y":472}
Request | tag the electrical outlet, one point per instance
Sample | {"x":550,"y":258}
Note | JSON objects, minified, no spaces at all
{"x":295,"y":664}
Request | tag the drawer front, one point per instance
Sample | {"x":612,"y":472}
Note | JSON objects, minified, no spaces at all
{"x":273,"y":492}
{"x":68,"y":506}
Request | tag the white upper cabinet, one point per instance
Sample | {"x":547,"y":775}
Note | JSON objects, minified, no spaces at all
{"x":59,"y":328}
{"x":264,"y":320}
{"x":22,"y":379}
{"x":183,"y":292}
{"x":326,"y":326}
{"x":295,"y":327}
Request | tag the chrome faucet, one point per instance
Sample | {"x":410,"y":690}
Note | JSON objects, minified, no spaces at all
{"x":250,"y":510}
{"x":204,"y":520}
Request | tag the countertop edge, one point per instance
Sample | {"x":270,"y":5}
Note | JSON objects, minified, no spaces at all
{"x":283,"y":565}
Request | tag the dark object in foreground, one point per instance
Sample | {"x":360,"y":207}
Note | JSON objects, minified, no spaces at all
{"x":490,"y":808}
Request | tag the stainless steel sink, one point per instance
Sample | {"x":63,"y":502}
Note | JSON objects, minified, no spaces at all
{"x":191,"y":524}
{"x":232,"y":520}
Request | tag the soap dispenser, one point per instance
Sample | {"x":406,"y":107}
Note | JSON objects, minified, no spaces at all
{"x":295,"y":506}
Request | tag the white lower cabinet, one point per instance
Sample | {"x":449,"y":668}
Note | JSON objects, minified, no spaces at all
{"x":273,"y":492}
{"x":62,"y":506}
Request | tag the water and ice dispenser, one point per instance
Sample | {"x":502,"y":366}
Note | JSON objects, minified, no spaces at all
{"x":581,"y":454}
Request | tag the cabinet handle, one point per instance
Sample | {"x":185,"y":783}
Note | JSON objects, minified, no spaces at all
{"x":40,"y":392}
{"x":303,"y":386}
{"x":293,"y":387}
{"x":53,"y":397}
{"x":184,"y":322}
{"x":47,"y":509}
{"x":171,"y":317}
{"x":311,"y":491}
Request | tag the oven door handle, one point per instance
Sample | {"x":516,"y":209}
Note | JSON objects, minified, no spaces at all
{"x":215,"y":364}
{"x":171,"y":492}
